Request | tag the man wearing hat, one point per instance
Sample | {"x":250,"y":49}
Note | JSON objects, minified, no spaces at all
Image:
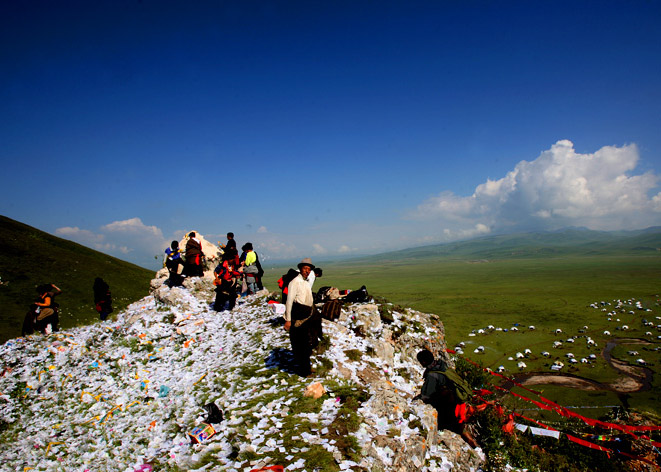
{"x":299,"y":317}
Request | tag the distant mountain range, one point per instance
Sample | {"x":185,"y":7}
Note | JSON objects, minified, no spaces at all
{"x":30,"y":257}
{"x":565,"y":242}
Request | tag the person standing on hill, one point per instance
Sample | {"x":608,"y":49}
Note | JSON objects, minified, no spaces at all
{"x":102,"y":298}
{"x":231,"y":253}
{"x":250,"y":268}
{"x":283,"y":283}
{"x":260,"y":273}
{"x":194,"y":256}
{"x":299,"y":311}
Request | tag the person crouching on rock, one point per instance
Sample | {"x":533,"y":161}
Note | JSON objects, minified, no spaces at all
{"x":225,"y":282}
{"x":299,"y":311}
{"x":47,"y":317}
{"x":440,"y":391}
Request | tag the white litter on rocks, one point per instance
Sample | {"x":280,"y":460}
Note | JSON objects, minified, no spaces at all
{"x":121,"y":394}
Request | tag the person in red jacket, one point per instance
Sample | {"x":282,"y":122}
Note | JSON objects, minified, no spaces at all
{"x":225,"y":282}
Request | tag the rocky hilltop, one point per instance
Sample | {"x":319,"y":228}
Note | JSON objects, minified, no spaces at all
{"x":126,"y":394}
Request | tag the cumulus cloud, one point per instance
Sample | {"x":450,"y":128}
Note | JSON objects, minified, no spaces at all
{"x":318,"y":250}
{"x":262,"y":229}
{"x":132,"y":226}
{"x":81,"y":236}
{"x":121,"y":238}
{"x":560,"y":188}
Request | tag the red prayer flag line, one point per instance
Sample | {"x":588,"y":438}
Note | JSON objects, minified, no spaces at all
{"x":561,"y":410}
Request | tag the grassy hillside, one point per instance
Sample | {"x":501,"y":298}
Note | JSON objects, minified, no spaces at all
{"x":30,"y":257}
{"x":546,"y":280}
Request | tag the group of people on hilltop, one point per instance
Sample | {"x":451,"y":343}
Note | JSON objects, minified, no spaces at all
{"x":241,"y":274}
{"x":191,"y":260}
{"x":235,"y":275}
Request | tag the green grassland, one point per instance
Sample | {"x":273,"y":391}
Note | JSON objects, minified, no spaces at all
{"x":30,"y":257}
{"x":548,"y":288}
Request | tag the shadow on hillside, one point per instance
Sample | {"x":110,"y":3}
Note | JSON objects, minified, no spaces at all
{"x":282,"y":359}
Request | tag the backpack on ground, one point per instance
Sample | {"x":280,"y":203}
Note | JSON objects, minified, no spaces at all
{"x":331,"y":310}
{"x":358,"y":296}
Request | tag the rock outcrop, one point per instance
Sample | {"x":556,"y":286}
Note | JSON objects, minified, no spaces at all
{"x":117,"y":395}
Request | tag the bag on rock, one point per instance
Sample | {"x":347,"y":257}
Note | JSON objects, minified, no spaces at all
{"x":331,"y":310}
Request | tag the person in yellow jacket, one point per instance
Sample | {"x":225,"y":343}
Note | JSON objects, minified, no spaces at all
{"x":250,"y":268}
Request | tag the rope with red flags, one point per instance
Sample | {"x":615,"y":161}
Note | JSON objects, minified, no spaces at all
{"x":463,"y":412}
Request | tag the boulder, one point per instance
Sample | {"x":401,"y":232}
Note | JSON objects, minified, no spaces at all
{"x":384,"y":351}
{"x":367,"y":315}
{"x":171,"y":296}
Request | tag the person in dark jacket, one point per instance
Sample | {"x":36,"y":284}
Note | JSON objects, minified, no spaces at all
{"x":194,"y":256}
{"x":231,"y":253}
{"x":102,"y":298}
{"x":437,"y":391}
{"x":173,"y":260}
{"x":283,"y":283}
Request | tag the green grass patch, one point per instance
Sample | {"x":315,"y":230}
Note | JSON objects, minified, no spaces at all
{"x":34,"y":257}
{"x":354,"y":354}
{"x":473,"y":286}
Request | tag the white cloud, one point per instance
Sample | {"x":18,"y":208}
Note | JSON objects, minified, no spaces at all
{"x":121,"y":238}
{"x":132,"y":226}
{"x":318,"y":250}
{"x":262,"y":229}
{"x":559,"y":188}
{"x":344,"y":249}
{"x":82,"y":236}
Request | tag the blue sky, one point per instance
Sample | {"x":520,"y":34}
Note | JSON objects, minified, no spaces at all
{"x":327,"y":129}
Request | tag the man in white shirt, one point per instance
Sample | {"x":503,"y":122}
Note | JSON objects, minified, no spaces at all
{"x":299,"y":311}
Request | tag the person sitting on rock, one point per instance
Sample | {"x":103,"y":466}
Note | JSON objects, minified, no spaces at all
{"x":47,"y":317}
{"x":173,"y":260}
{"x":438,"y":390}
